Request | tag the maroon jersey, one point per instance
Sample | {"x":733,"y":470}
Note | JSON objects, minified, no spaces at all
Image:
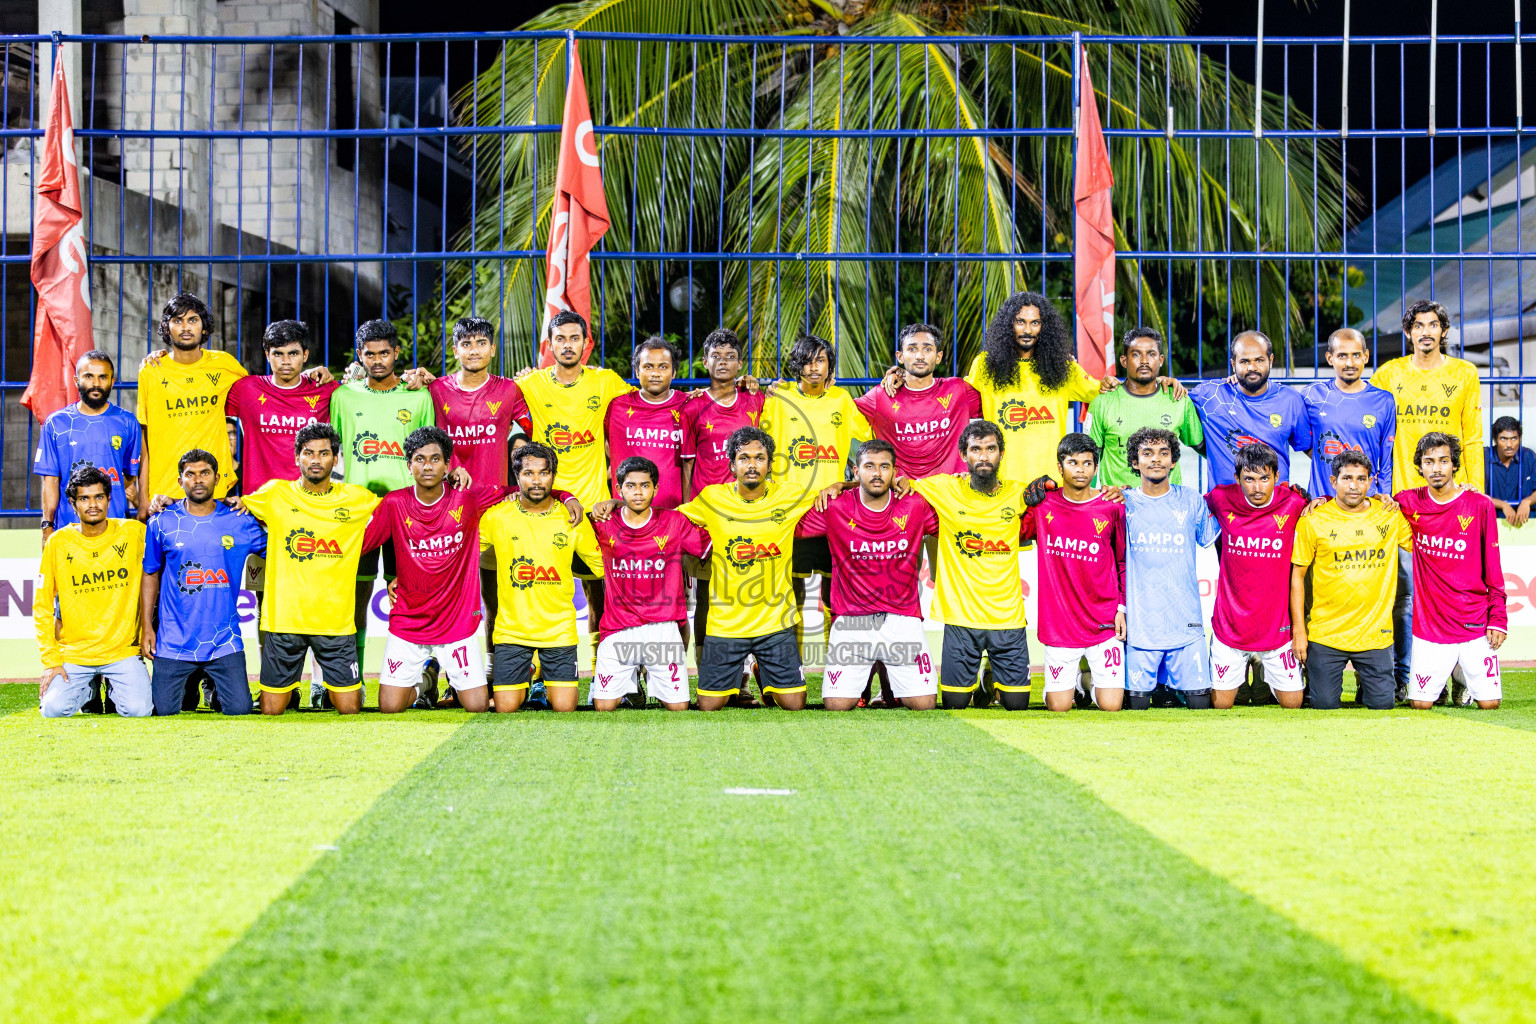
{"x":479,"y":422}
{"x":877,"y":556}
{"x":924,"y":426}
{"x":654,"y":430}
{"x":1253,"y":604}
{"x":643,"y":568}
{"x":270,"y":416}
{"x":1458,"y":579}
{"x":707,"y":425}
{"x":1081,"y":567}
{"x":437,"y":550}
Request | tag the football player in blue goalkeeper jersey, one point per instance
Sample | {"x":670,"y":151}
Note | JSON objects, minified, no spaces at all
{"x":1345,"y":414}
{"x":1248,"y":408}
{"x":1164,"y":524}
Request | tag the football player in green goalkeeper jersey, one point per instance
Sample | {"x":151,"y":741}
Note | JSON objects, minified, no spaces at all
{"x":1118,"y":414}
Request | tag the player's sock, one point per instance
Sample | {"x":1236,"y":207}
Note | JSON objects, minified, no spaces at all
{"x":1013,"y":700}
{"x":1135,"y":701}
{"x":1198,"y":700}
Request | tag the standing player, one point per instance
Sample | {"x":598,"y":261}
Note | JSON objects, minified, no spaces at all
{"x":1245,"y":410}
{"x":86,"y":608}
{"x":194,"y":553}
{"x":435,"y":601}
{"x":643,"y":547}
{"x":1082,"y":579}
{"x":752,"y":609}
{"x":181,"y":402}
{"x":372,"y":419}
{"x":92,"y":432}
{"x":649,"y":423}
{"x":1460,"y":617}
{"x":314,"y":539}
{"x":536,"y":548}
{"x":876,"y":540}
{"x":1344,"y":414}
{"x":567,"y":407}
{"x":1253,"y":618}
{"x":272,"y":409}
{"x":1434,"y":392}
{"x":1142,"y":402}
{"x":978,"y":594}
{"x":1350,"y":547}
{"x":922,"y":415}
{"x":1164,"y":522}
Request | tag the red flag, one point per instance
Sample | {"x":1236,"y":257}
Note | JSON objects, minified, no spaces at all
{"x":580,"y":214}
{"x":1094,"y":259}
{"x":60,"y":272}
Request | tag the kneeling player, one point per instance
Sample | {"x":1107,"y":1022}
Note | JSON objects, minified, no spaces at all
{"x":314,"y":539}
{"x":1253,"y":616}
{"x":876,"y":542}
{"x":436,"y":596}
{"x":1164,"y":522}
{"x":1082,"y":579}
{"x":1458,"y":580}
{"x":643,"y":549}
{"x":978,"y":595}
{"x":534,"y":543}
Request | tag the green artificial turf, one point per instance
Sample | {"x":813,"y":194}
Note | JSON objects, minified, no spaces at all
{"x":591,"y":869}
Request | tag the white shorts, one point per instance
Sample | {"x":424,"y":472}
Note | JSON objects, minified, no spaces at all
{"x":1432,"y":663}
{"x":658,"y":646}
{"x":856,"y":642}
{"x":1228,"y":667}
{"x":1106,"y":664}
{"x":461,"y":661}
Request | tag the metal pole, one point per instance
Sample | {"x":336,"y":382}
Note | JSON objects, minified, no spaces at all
{"x":1519,"y":76}
{"x":1258,"y":78}
{"x":1344,"y":91}
{"x":1434,"y":48}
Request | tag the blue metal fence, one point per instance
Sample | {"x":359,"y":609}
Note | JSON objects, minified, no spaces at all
{"x":843,"y":185}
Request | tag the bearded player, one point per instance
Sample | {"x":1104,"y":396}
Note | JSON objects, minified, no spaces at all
{"x":876,"y":542}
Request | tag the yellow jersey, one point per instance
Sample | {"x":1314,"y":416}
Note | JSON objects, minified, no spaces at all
{"x":1354,"y":573}
{"x":181,"y":406}
{"x":812,"y":437}
{"x":978,"y":579}
{"x":569,"y":418}
{"x":751,"y":557}
{"x":535,"y":591}
{"x":96,"y":581}
{"x":1033,"y":421}
{"x":313,"y":544}
{"x":1447,"y":398}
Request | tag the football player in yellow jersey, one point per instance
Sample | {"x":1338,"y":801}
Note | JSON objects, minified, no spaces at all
{"x":536,"y":547}
{"x":978,"y":595}
{"x":567,"y":407}
{"x":93,"y":568}
{"x":752,"y":609}
{"x":181,"y":402}
{"x":1350,"y":547}
{"x":315,"y":530}
{"x":1434,"y":392}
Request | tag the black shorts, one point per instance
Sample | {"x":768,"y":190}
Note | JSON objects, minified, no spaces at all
{"x":368,"y":565}
{"x":1373,"y":675}
{"x":512,"y":666}
{"x":722,"y":659}
{"x":282,"y":661}
{"x":812,"y":556}
{"x":581,"y":570}
{"x":226,"y":673}
{"x":1007,"y":652}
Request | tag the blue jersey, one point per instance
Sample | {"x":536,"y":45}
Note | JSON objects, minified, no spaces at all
{"x":1232,"y":418}
{"x":1162,"y":590}
{"x":71,"y":440}
{"x":200,"y":560}
{"x":1365,"y":421}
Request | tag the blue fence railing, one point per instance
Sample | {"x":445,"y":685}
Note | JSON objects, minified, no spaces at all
{"x":841,"y":185}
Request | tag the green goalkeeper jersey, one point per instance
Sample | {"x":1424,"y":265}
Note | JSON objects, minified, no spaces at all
{"x":373,"y":426}
{"x":1118,"y":414}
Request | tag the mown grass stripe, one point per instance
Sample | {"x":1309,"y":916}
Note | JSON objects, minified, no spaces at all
{"x":1404,"y":839}
{"x":591,"y":869}
{"x":135,"y":852}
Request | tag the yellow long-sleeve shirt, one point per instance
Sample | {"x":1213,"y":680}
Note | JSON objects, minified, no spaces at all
{"x":96,"y":580}
{"x":1447,"y":398}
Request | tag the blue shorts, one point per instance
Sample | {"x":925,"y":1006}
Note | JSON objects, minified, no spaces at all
{"x":1182,"y":668}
